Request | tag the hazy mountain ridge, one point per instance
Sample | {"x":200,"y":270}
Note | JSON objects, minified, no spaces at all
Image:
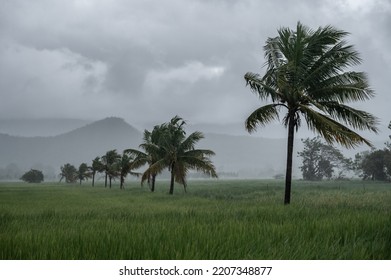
{"x":76,"y":146}
{"x":247,"y":156}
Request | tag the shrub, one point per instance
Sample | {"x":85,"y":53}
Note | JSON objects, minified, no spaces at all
{"x":33,"y":176}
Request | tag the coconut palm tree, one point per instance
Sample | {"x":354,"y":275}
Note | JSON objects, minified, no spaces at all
{"x":125,"y":165}
{"x":83,"y":173}
{"x":308,"y":76}
{"x":109,"y":165}
{"x":69,"y":173}
{"x":177,"y":153}
{"x":151,"y":154}
{"x":96,"y":166}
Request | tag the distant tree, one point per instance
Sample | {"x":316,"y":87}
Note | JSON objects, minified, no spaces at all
{"x":33,"y":176}
{"x":83,"y":173}
{"x":178,"y":154}
{"x":125,"y":165}
{"x":69,"y":173}
{"x":109,"y":162}
{"x":373,"y":164}
{"x":320,"y":160}
{"x":96,"y":166}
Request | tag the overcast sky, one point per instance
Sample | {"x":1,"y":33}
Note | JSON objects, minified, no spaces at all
{"x":149,"y":60}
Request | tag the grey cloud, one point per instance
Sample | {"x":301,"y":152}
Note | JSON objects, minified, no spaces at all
{"x":150,"y":60}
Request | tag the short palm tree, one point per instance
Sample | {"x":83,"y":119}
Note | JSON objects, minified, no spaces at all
{"x":69,"y":173}
{"x":83,"y":173}
{"x":177,"y":153}
{"x":96,"y":166}
{"x":306,"y":77}
{"x":109,"y":161}
{"x":150,"y":153}
{"x":125,"y":165}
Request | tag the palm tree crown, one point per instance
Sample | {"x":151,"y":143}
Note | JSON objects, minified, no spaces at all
{"x":306,"y":77}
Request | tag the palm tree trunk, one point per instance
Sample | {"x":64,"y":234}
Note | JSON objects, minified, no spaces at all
{"x":288,"y":176}
{"x":106,"y":179}
{"x":93,"y":178}
{"x":172,"y":179}
{"x":153,"y":179}
{"x":122,"y":179}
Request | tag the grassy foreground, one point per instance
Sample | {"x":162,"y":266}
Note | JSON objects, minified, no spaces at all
{"x":214,"y":220}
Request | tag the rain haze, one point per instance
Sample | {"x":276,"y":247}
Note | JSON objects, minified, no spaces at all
{"x":147,"y":61}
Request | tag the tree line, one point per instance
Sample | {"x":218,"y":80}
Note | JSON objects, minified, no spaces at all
{"x":167,"y":146}
{"x":324,"y":161}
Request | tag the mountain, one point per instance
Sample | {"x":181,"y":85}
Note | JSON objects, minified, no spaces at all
{"x":244,"y":156}
{"x":77,"y":146}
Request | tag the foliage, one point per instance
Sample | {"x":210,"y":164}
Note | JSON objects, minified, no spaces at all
{"x":69,"y":173}
{"x":151,"y":147}
{"x":374,"y":165}
{"x":306,"y":76}
{"x":177,"y":152}
{"x":96,"y":166}
{"x":109,"y":162}
{"x":83,"y":173}
{"x":234,"y":219}
{"x":321,"y":160}
{"x":32,"y":176}
{"x":124,"y":166}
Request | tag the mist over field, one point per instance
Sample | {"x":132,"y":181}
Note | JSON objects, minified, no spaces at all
{"x":239,"y":155}
{"x":50,"y":143}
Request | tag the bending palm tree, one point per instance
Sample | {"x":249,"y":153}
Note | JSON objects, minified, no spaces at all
{"x":96,"y":166}
{"x":305,"y":77}
{"x":125,"y":165}
{"x":178,"y":153}
{"x":109,"y":161}
{"x":83,"y":173}
{"x":151,"y":153}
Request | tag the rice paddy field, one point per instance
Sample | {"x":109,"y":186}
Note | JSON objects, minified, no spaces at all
{"x":216,"y":219}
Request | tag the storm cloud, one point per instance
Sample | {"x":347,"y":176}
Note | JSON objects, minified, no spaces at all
{"x":147,"y":61}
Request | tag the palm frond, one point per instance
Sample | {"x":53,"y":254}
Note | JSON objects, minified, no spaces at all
{"x":191,"y":140}
{"x":264,"y":87}
{"x":355,"y":118}
{"x":345,"y":87}
{"x":155,"y":168}
{"x":331,"y":130}
{"x":262,"y":116}
{"x":203,"y":165}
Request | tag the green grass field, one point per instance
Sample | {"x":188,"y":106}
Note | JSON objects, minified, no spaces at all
{"x":238,"y":219}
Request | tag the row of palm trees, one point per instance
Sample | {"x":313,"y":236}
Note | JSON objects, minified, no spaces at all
{"x":165,"y":147}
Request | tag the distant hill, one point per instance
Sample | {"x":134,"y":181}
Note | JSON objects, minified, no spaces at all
{"x":245,"y":156}
{"x":77,"y":146}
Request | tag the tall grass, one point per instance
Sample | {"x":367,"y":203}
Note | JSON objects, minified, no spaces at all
{"x":214,"y":220}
